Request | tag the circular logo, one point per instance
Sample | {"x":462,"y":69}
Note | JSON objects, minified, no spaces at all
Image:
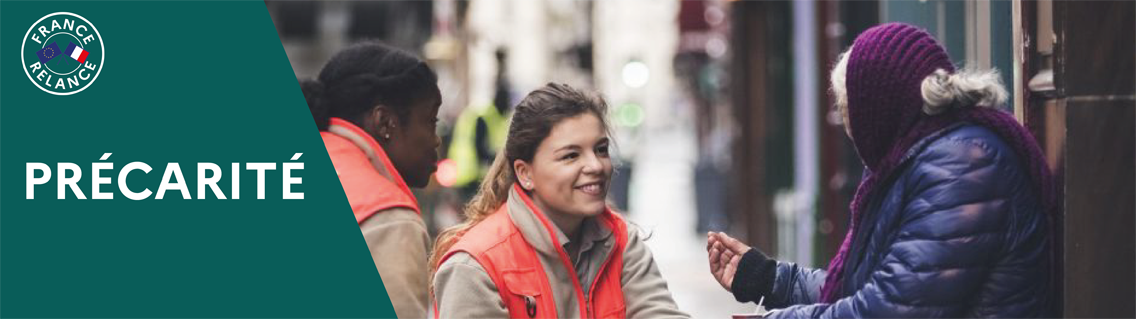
{"x":62,"y":53}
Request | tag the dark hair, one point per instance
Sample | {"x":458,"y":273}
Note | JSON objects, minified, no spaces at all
{"x":532,"y":121}
{"x":364,"y":75}
{"x":542,"y":109}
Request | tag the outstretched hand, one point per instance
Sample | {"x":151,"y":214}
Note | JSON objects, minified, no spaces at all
{"x":724,"y":254}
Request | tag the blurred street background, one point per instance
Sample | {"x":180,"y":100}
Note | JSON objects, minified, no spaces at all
{"x":723,"y":121}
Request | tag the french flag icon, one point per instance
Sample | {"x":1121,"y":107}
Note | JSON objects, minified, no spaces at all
{"x":77,"y":53}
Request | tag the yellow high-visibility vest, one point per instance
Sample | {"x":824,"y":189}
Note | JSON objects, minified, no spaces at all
{"x":463,"y":146}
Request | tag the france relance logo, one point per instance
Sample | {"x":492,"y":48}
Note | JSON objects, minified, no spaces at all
{"x":62,"y":53}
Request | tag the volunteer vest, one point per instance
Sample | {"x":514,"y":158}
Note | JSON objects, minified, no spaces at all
{"x":513,"y":265}
{"x":369,"y":179}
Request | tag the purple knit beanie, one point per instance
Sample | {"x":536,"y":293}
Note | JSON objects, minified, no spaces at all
{"x":886,"y":68}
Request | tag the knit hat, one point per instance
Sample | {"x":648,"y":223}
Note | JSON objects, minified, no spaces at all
{"x":886,"y":67}
{"x":885,"y":72}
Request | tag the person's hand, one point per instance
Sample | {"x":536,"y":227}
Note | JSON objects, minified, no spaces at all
{"x":724,"y":254}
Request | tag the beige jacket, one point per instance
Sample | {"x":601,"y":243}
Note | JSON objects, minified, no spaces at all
{"x":399,"y":243}
{"x":464,"y":290}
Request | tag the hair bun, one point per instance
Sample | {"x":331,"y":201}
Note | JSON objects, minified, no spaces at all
{"x":314,"y":92}
{"x":965,"y":88}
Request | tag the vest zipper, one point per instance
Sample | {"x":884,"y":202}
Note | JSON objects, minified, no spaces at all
{"x":591,"y":291}
{"x":589,"y":312}
{"x":599,"y":273}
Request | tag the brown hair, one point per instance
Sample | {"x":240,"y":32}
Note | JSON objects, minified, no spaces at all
{"x":532,"y":121}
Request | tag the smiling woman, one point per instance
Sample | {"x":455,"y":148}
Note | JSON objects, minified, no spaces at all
{"x":539,"y":239}
{"x":568,"y":175}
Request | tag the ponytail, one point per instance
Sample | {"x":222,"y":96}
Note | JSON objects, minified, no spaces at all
{"x":965,"y":88}
{"x":491,"y":194}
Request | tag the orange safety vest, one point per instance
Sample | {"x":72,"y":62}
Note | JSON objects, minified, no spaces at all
{"x":371,"y":186}
{"x":498,"y":246}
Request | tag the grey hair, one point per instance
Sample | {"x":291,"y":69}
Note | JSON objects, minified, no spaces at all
{"x":836,"y":79}
{"x":966,"y":87}
{"x":940,"y":90}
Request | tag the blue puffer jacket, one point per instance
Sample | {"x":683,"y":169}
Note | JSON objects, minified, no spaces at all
{"x":958,"y":233}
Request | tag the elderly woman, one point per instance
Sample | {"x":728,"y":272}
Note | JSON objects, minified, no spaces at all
{"x":953,"y":217}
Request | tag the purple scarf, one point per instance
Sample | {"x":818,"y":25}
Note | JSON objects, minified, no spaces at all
{"x":886,"y":68}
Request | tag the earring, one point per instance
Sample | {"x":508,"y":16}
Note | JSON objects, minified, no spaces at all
{"x":387,"y":136}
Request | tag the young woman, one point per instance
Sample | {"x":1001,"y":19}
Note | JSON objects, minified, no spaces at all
{"x":954,"y":215}
{"x":376,"y":109}
{"x":539,"y":240}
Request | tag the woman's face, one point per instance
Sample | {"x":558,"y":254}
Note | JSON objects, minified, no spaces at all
{"x":413,"y":145}
{"x":571,"y":168}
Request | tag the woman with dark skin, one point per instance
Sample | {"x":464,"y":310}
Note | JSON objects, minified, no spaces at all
{"x":376,"y":108}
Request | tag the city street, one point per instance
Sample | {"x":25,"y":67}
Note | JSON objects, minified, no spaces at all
{"x":662,"y":203}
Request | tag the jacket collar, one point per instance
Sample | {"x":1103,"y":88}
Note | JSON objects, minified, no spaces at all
{"x":926,"y":140}
{"x":375,"y":153}
{"x":541,"y":233}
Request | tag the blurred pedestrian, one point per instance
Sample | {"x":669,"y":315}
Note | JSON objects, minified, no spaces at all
{"x":953,"y":217}
{"x":376,"y":108}
{"x":479,"y":133}
{"x":539,"y":240}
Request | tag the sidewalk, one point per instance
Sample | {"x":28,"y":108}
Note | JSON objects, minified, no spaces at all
{"x":662,"y":203}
